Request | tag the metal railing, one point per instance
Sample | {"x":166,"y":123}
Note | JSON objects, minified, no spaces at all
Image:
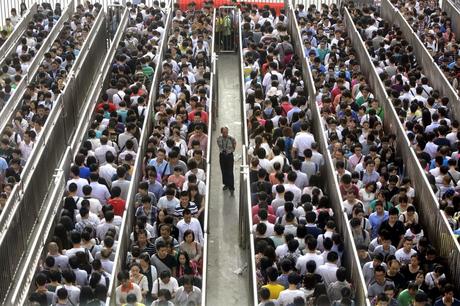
{"x":128,"y":215}
{"x":25,"y":204}
{"x":438,"y":230}
{"x":8,"y":112}
{"x":38,"y":247}
{"x":393,"y":16}
{"x":453,"y":12}
{"x":9,"y":46}
{"x":351,"y":260}
{"x":245,"y":207}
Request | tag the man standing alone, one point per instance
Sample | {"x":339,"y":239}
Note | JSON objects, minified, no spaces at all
{"x":227,"y":145}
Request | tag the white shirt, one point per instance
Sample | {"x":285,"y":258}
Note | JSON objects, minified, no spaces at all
{"x":107,"y":171}
{"x":287,"y":297}
{"x":403,"y":257}
{"x":302,"y":141}
{"x":94,"y":205}
{"x":295,"y":190}
{"x":270,"y":228}
{"x":201,"y":187}
{"x":73,"y":251}
{"x":80,"y":183}
{"x":172,"y":286}
{"x":102,"y":150}
{"x":122,"y":295}
{"x":107,"y":265}
{"x":93,"y":218}
{"x":328,"y":272}
{"x":102,"y":229}
{"x":26,"y":149}
{"x":200,"y":175}
{"x":73,"y":292}
{"x":194,"y":226}
{"x":100,"y":192}
{"x":281,"y":250}
{"x":301,"y":264}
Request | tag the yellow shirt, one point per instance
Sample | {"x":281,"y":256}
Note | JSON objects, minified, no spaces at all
{"x":274,"y":290}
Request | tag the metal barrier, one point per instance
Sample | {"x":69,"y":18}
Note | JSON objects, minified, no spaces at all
{"x":128,"y":215}
{"x":9,"y":46}
{"x":351,"y":260}
{"x":393,"y":16}
{"x":38,"y":171}
{"x":245,"y":207}
{"x":7,"y":113}
{"x":37,"y":248}
{"x":439,"y":233}
{"x":454,"y":13}
{"x":7,"y":5}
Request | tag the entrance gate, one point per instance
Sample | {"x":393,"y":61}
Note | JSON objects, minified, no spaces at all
{"x":226,"y":29}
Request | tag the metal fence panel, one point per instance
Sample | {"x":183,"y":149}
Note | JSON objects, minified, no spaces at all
{"x":351,"y":260}
{"x":454,"y":13}
{"x":57,"y":188}
{"x":245,"y":205}
{"x":438,"y":230}
{"x":39,"y":169}
{"x":438,"y":79}
{"x":128,"y":216}
{"x":9,"y":46}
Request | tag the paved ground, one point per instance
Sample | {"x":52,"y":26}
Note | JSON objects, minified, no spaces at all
{"x":224,"y":287}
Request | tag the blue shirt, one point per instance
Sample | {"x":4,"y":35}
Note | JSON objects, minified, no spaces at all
{"x":440,"y":302}
{"x":3,"y":165}
{"x":84,"y":172}
{"x":156,"y":188}
{"x":162,"y":168}
{"x":376,"y":221}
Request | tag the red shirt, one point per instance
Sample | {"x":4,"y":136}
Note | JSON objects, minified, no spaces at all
{"x":118,"y":205}
{"x":112,"y":107}
{"x":335,"y":92}
{"x":286,"y":107}
{"x":256,"y":208}
{"x":204,"y":117}
{"x":271,"y":219}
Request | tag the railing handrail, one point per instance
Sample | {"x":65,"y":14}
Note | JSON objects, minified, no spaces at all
{"x":38,"y":245}
{"x":439,"y":80}
{"x":7,"y":212}
{"x":139,"y":159}
{"x":9,"y":46}
{"x":396,"y":125}
{"x":333,"y":191}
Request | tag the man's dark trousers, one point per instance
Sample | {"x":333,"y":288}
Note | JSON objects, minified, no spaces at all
{"x":226,"y":166}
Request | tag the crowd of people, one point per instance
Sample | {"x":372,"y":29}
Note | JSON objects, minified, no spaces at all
{"x":298,"y":249}
{"x":299,"y":252}
{"x":19,"y":136}
{"x":16,"y":65}
{"x":435,"y":29}
{"x":163,"y":264}
{"x":433,"y":124}
{"x":399,"y":264}
{"x":12,"y":21}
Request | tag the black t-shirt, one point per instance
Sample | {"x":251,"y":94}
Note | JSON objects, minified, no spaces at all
{"x":268,"y":240}
{"x":169,"y":261}
{"x":408,"y":275}
{"x":396,"y":231}
{"x":399,"y":280}
{"x":10,"y":172}
{"x":6,"y":153}
{"x":425,"y":156}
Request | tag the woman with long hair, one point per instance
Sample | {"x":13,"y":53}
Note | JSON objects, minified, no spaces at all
{"x":185,"y":266}
{"x":191,"y":247}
